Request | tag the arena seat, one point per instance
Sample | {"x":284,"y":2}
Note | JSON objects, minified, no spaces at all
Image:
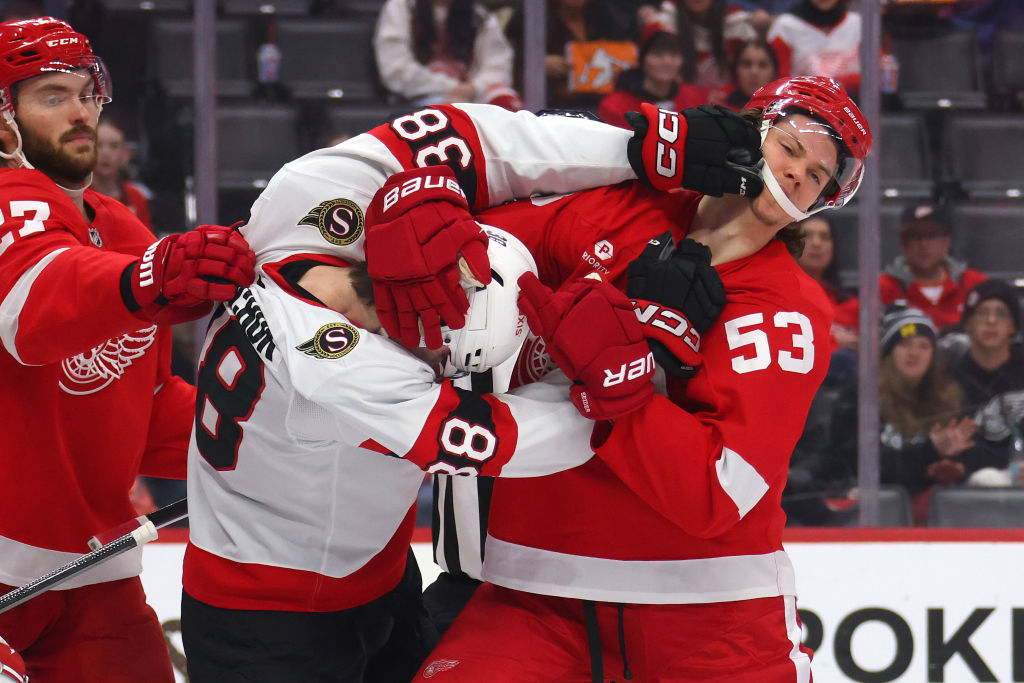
{"x":172,"y":62}
{"x":961,"y":506}
{"x":148,"y":6}
{"x":905,"y":161}
{"x":991,"y":236}
{"x":266,"y":7}
{"x":940,"y":70}
{"x":328,"y":58}
{"x":893,"y":508}
{"x":983,"y":153}
{"x":356,"y":119}
{"x":844,"y":228}
{"x":253,"y":142}
{"x":1007,"y":64}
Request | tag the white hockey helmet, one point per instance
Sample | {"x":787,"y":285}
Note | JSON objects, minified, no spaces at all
{"x":495,"y":329}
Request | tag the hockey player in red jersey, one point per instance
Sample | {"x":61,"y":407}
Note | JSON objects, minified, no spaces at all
{"x":662,"y":557}
{"x":87,"y":392}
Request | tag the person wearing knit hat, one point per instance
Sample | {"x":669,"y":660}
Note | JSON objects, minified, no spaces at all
{"x":901,"y":323}
{"x":998,"y":290}
{"x":991,"y":374}
{"x":665,"y":65}
{"x":924,"y":437}
{"x":925,"y":275}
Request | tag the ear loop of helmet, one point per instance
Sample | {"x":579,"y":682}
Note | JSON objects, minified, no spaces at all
{"x":18,"y":155}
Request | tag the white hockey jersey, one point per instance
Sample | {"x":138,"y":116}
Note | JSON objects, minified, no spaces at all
{"x":292,"y":504}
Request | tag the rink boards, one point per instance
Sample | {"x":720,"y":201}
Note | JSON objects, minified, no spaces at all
{"x":877,"y":605}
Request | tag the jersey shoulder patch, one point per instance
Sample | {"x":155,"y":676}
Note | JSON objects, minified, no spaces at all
{"x":331,"y":341}
{"x":340,"y":221}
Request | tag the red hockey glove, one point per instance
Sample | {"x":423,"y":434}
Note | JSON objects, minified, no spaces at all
{"x":179,"y":275}
{"x":416,"y":227}
{"x":709,"y":149}
{"x":12,"y":667}
{"x":678,"y":295}
{"x":593,"y":335}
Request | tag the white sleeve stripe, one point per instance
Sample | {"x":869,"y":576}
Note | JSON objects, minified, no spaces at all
{"x":13,"y":303}
{"x":740,"y":480}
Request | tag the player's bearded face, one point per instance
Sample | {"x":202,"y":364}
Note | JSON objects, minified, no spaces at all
{"x":57,"y":116}
{"x":69,"y":156}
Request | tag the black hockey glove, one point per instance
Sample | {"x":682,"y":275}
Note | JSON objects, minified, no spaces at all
{"x":709,"y":149}
{"x":678,"y":296}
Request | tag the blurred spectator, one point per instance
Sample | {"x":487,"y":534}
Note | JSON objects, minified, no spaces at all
{"x":818,"y":260}
{"x":434,"y":51}
{"x":666,"y":63}
{"x":16,"y":10}
{"x":991,"y":374}
{"x":756,"y":64}
{"x":926,"y":276}
{"x":923,"y":433}
{"x":717,"y":34}
{"x":111,"y":177}
{"x":576,"y":21}
{"x":819,"y":38}
{"x":816,"y":473}
{"x":984,"y":18}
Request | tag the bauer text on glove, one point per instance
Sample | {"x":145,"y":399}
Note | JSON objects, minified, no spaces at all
{"x":591,"y":332}
{"x":417,"y":227}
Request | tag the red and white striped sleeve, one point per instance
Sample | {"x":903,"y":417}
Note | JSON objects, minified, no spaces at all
{"x":59,"y":294}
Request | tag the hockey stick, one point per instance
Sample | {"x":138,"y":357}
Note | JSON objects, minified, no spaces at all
{"x":139,"y":533}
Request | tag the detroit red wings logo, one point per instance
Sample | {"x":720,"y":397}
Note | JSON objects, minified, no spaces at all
{"x":95,"y":369}
{"x":439,"y":666}
{"x":533,"y":363}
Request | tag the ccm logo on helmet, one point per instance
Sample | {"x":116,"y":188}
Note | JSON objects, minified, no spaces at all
{"x":421,"y":183}
{"x":61,"y":41}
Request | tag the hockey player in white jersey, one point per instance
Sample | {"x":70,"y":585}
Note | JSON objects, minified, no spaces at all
{"x":300,"y":529}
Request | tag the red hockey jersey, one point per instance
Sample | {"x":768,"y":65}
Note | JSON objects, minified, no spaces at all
{"x":87,"y":391}
{"x":682,"y":504}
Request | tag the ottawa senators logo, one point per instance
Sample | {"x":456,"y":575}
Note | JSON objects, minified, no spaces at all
{"x":340,"y":221}
{"x":331,"y":341}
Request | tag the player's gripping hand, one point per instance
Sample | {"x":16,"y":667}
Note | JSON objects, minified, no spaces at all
{"x":417,"y":226}
{"x":592,"y":334}
{"x":179,"y":276}
{"x":709,"y":149}
{"x":12,"y":667}
{"x":678,"y":296}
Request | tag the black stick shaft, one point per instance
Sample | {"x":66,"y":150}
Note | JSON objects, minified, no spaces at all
{"x":159,"y":518}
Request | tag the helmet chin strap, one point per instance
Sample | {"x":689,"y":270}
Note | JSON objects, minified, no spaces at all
{"x":76,"y":192}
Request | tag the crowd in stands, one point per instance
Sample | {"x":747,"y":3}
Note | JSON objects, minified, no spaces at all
{"x":951,"y":401}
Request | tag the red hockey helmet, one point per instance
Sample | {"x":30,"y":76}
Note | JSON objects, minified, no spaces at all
{"x":45,"y":45}
{"x":824,"y":99}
